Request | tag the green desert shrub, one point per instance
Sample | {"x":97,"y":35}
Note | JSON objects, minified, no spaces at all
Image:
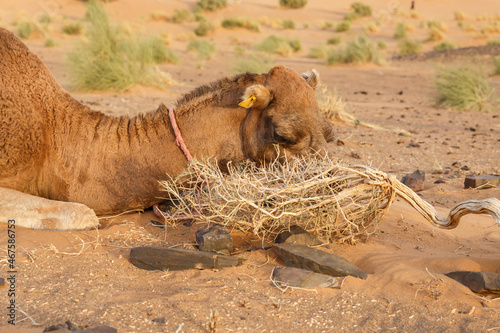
{"x":343,"y":26}
{"x":318,"y":52}
{"x":204,"y":48}
{"x":407,"y":46}
{"x":181,"y":16}
{"x":210,"y":5}
{"x":325,"y":25}
{"x":72,"y":28}
{"x":445,"y":46}
{"x":382,"y":45}
{"x":358,"y":10}
{"x":253,"y":63}
{"x":334,"y":40}
{"x":45,"y":19}
{"x":238,"y":22}
{"x":401,"y":31}
{"x":156,"y":50}
{"x":111,"y":58}
{"x":293,"y":3}
{"x":492,"y":42}
{"x":360,"y":51}
{"x":463,"y":88}
{"x":27,"y":29}
{"x":49,"y":42}
{"x":204,"y":28}
{"x":279,"y":45}
{"x":496,"y":64}
{"x":288,"y":24}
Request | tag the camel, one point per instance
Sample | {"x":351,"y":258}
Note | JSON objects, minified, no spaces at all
{"x":62,"y":164}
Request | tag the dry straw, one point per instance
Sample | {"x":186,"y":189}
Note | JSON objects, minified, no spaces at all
{"x":332,"y":201}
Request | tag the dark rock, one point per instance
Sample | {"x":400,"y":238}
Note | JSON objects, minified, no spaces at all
{"x":297,"y":235}
{"x":478,"y":282}
{"x":68,"y":327}
{"x":413,"y":145}
{"x":214,"y":238}
{"x":439,"y":181}
{"x":414,"y":180}
{"x":296,"y":277}
{"x":2,"y":282}
{"x":159,"y":320}
{"x":161,"y":258}
{"x":301,"y":256}
{"x":482,"y":181}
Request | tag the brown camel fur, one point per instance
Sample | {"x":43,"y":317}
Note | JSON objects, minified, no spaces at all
{"x":53,"y":147}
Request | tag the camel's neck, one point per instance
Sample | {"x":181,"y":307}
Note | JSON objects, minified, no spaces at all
{"x":115,"y":163}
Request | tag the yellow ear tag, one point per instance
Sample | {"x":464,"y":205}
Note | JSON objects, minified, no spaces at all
{"x":247,"y":103}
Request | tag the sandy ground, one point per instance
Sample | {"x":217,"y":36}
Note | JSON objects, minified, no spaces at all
{"x":86,"y":277}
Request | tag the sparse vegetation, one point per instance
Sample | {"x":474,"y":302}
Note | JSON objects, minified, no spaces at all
{"x":293,"y":3}
{"x":459,"y":15}
{"x":382,"y":45}
{"x":231,"y":23}
{"x":358,"y":10}
{"x":204,"y":48}
{"x":401,"y":31}
{"x":279,"y":45}
{"x":407,"y":46}
{"x":158,"y":15}
{"x":446,"y":45}
{"x":72,"y":28}
{"x":435,"y":35}
{"x":373,"y":27}
{"x":463,"y":88}
{"x":325,"y":25}
{"x":253,"y":63}
{"x":334,"y":40}
{"x":493,"y":42}
{"x":45,"y":19}
{"x":181,"y":16}
{"x":343,"y":26}
{"x":49,"y":42}
{"x":210,"y":5}
{"x":360,"y":51}
{"x":27,"y":29}
{"x":112,"y":58}
{"x":318,"y":52}
{"x":204,"y":28}
{"x":496,"y":64}
{"x":437,"y":25}
{"x":288,"y":24}
{"x":158,"y":52}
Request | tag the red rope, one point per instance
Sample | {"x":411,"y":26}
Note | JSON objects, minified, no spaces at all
{"x":178,"y":137}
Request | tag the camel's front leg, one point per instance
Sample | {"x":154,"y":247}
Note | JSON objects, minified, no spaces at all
{"x":40,"y":213}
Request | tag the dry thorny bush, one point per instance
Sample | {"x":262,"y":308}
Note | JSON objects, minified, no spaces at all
{"x":327,"y":199}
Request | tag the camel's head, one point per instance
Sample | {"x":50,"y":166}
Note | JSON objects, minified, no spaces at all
{"x":284,"y":117}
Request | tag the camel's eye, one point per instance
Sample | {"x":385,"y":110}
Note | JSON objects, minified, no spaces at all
{"x":281,"y":139}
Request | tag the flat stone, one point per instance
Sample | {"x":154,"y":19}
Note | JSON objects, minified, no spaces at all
{"x":296,"y":277}
{"x":2,"y":282}
{"x":414,"y":180}
{"x":297,"y":235}
{"x":478,"y":282}
{"x":483,"y":181}
{"x":214,"y":238}
{"x":301,"y":256}
{"x":161,"y":258}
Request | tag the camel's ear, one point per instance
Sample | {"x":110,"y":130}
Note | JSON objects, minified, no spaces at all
{"x":256,"y":96}
{"x":312,"y":78}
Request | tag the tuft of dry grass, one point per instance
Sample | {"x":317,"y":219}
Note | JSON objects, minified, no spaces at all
{"x":329,"y":200}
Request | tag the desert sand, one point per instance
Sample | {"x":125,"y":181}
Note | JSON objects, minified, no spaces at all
{"x":86,"y":277}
